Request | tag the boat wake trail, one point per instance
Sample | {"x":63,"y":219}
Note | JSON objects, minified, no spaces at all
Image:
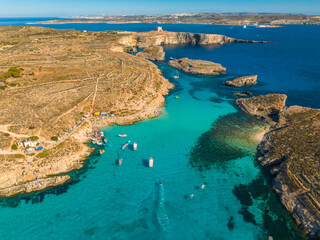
{"x":162,"y":216}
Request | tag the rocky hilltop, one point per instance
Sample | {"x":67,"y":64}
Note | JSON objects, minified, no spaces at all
{"x":152,"y":53}
{"x":242,"y":81}
{"x":197,"y":66}
{"x":291,"y":151}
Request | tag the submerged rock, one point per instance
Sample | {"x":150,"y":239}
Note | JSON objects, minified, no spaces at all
{"x":242,"y":94}
{"x":242,"y":81}
{"x":152,"y":53}
{"x":197,"y":66}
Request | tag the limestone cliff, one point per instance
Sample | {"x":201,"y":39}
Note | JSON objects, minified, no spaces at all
{"x":197,"y":66}
{"x":152,"y":53}
{"x":182,"y":38}
{"x":291,"y":149}
{"x":266,"y":106}
{"x":155,"y":38}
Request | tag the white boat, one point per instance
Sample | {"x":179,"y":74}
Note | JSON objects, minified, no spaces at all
{"x":101,"y":152}
{"x":101,"y":134}
{"x":150,"y":162}
{"x":122,"y":135}
{"x":119,"y":161}
{"x":99,"y":142}
{"x":105,"y":139}
{"x":244,"y":26}
{"x":135,"y":146}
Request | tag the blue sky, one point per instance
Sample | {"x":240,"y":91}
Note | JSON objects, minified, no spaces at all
{"x":61,"y":8}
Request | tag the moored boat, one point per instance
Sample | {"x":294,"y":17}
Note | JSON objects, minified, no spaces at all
{"x":99,"y":142}
{"x":105,"y":139}
{"x":151,"y":162}
{"x":101,"y":152}
{"x":176,"y":76}
{"x":101,"y":134}
{"x":119,"y":161}
{"x":122,"y":135}
{"x":124,"y":146}
{"x":135,"y":146}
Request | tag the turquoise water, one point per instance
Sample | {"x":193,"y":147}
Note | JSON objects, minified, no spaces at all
{"x":126,"y":202}
{"x":194,"y":141}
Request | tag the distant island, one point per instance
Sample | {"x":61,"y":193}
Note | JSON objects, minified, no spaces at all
{"x":262,"y":20}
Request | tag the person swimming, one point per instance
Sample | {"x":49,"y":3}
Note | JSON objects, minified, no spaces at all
{"x":191,"y":196}
{"x":160,"y":182}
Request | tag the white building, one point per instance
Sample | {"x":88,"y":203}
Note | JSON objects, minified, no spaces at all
{"x":29,"y":143}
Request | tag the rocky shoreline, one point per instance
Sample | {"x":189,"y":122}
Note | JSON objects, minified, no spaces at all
{"x":291,"y":151}
{"x":197,"y":66}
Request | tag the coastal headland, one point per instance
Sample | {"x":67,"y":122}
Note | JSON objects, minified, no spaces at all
{"x":290,"y":152}
{"x":55,"y":85}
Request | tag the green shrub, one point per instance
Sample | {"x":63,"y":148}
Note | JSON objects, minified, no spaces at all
{"x":14,"y":147}
{"x":7,"y":134}
{"x":43,"y":154}
{"x":12,"y":72}
{"x":54,"y":138}
{"x":34,"y":138}
{"x":31,"y":127}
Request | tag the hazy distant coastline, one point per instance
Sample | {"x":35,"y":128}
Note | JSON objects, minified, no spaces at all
{"x":255,"y":19}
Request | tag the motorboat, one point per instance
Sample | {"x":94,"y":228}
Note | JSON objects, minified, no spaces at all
{"x":122,"y":135}
{"x":124,"y":146}
{"x":119,"y":161}
{"x":176,"y":76}
{"x":105,"y":139}
{"x":135,"y":146}
{"x":151,"y":162}
{"x":101,"y":152}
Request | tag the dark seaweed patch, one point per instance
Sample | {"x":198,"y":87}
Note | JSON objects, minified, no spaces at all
{"x":276,"y":220}
{"x":247,"y":216}
{"x":230,"y":223}
{"x":228,"y":139}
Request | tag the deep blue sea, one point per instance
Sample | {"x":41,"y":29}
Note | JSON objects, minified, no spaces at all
{"x":200,"y":138}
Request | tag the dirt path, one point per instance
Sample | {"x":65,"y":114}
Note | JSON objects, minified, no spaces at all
{"x":95,"y":93}
{"x":4,"y":128}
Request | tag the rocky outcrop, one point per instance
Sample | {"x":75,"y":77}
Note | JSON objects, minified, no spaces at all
{"x":197,"y":66}
{"x":242,"y":81}
{"x":152,"y":53}
{"x":292,"y":149}
{"x":242,"y":94}
{"x":266,"y":106}
{"x":154,"y":38}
